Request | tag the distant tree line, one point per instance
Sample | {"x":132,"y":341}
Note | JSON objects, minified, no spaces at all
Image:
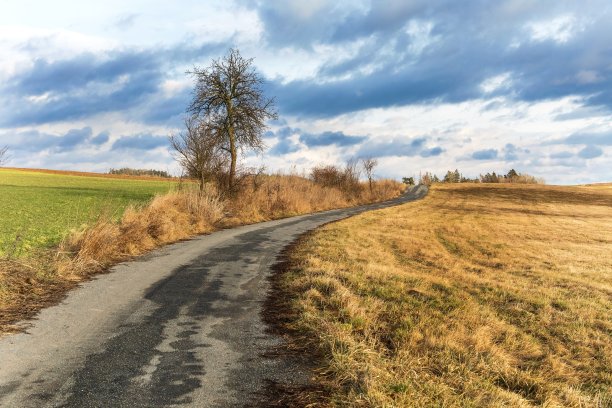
{"x":512,"y":176}
{"x":127,"y":171}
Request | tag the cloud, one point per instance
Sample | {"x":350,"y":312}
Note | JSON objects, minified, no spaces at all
{"x":285,"y":141}
{"x":510,"y":152}
{"x":126,"y":21}
{"x":462,"y":56}
{"x":394,"y":147}
{"x":89,"y":84}
{"x":487,"y":154}
{"x":101,"y":138}
{"x":601,"y":139}
{"x":284,"y":146}
{"x":562,"y":155}
{"x":590,"y":152}
{"x":34,"y":141}
{"x":141,"y":141}
{"x":435,"y":151}
{"x":73,"y":138}
{"x":290,"y":140}
{"x":329,"y":139}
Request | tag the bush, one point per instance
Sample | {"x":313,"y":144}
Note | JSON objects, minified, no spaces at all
{"x":346,"y":180}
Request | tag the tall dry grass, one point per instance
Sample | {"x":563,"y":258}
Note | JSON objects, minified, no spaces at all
{"x":28,"y":284}
{"x":478,"y":295}
{"x":277,"y":196}
{"x":167,"y":218}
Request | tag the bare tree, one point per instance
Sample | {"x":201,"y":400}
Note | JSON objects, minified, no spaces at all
{"x":229,"y":95}
{"x":199,"y":150}
{"x":368,"y":166}
{"x":3,"y":157}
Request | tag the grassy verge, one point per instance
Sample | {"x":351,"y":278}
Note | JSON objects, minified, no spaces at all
{"x":478,"y":295}
{"x":42,"y":274}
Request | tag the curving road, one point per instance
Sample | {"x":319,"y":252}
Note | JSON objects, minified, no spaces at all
{"x":180,"y":326}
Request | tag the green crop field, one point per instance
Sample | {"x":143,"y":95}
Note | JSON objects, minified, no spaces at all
{"x":37,"y":209}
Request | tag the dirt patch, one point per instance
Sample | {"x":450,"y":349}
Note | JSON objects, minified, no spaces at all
{"x":278,"y":313}
{"x":30,"y":292}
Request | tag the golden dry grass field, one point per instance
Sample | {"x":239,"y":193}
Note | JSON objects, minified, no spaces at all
{"x":477,"y":295}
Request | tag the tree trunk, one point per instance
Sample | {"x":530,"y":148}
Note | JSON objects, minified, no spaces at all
{"x":233,"y":154}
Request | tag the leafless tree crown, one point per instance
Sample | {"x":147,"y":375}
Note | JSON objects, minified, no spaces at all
{"x":198,"y":150}
{"x":229,"y":97}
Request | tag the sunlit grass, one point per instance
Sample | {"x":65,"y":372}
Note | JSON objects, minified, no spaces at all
{"x":38,"y":209}
{"x":478,"y":295}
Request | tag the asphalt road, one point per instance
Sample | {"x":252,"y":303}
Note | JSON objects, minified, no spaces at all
{"x":180,"y":326}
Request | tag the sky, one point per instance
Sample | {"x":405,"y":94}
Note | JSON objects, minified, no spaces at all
{"x":420,"y":85}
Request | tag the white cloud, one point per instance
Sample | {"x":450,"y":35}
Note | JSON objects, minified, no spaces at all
{"x":560,"y":29}
{"x":502,"y":81}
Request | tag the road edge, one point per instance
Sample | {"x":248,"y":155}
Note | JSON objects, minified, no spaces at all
{"x":278,"y":314}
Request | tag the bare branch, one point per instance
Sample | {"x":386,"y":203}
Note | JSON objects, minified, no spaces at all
{"x":198,"y":149}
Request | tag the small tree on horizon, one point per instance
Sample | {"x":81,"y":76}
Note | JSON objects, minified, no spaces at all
{"x":368,"y":166}
{"x":229,"y":97}
{"x":408,"y":180}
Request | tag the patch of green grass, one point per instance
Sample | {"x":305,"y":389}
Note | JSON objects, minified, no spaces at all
{"x":38,"y":209}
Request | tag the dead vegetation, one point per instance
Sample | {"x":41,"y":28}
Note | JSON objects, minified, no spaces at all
{"x":478,"y":295}
{"x":28,"y":284}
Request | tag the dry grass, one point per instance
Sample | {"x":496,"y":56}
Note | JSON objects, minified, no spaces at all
{"x":278,"y":196}
{"x":29,"y":283}
{"x":478,"y":295}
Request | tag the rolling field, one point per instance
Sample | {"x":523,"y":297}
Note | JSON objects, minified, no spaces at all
{"x":478,"y":295}
{"x":39,"y":208}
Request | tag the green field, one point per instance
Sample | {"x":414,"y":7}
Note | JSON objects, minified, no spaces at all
{"x":37,"y":209}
